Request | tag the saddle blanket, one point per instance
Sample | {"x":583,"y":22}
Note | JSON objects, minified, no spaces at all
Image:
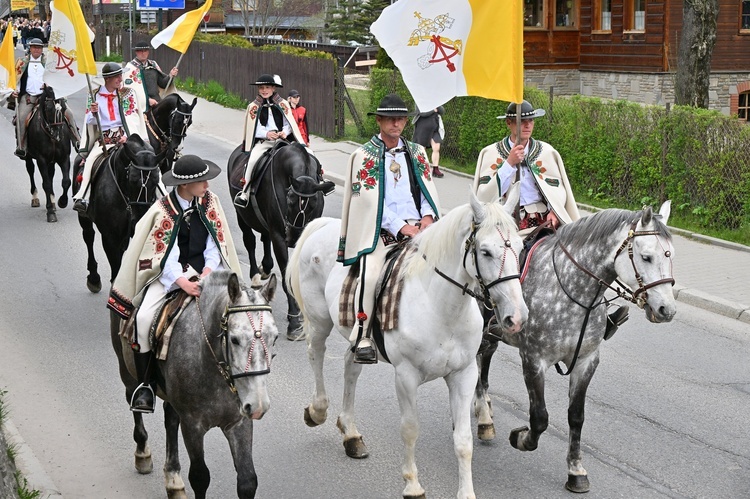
{"x":386,"y":302}
{"x":162,"y":325}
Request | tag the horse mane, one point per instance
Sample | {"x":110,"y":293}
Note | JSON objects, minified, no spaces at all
{"x":442,"y":240}
{"x":601,"y":225}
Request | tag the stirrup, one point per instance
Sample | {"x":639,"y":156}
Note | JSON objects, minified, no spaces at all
{"x":366,"y":354}
{"x":615,"y":320}
{"x":81,"y":206}
{"x":143,"y":386}
{"x":242,"y":199}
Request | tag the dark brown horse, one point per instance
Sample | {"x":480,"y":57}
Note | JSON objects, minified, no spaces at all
{"x":167,"y":124}
{"x":290,"y":195}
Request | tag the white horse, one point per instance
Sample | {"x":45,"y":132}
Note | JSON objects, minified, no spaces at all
{"x":475,"y":246}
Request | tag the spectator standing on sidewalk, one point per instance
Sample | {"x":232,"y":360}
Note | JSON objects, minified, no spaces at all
{"x":300,"y":114}
{"x":429,"y":133}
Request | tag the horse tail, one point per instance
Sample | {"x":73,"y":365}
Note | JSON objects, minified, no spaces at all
{"x":293,"y":269}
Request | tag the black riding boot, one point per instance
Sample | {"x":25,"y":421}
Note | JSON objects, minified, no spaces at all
{"x":365,"y":352}
{"x":143,"y":397}
{"x":615,"y":320}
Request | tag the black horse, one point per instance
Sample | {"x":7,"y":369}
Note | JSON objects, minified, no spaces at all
{"x":167,"y":124}
{"x":126,"y":185}
{"x":49,"y":143}
{"x":288,"y":197}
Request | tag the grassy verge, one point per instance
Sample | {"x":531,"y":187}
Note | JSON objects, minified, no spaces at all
{"x":23,"y":489}
{"x":212,"y":92}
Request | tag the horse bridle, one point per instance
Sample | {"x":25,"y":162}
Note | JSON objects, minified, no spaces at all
{"x":225,"y":368}
{"x":128,"y":202}
{"x":470,"y":245}
{"x":165,"y":144}
{"x":626,"y":293}
{"x":302,"y":202}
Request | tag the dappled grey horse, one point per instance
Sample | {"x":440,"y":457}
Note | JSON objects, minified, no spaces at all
{"x":215,"y":375}
{"x":563,"y":285}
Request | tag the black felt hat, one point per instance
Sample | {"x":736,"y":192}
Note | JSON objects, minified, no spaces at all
{"x":111,"y":69}
{"x":35,"y":42}
{"x":190,"y":168}
{"x":392,"y":105}
{"x":141,"y":46}
{"x":527,"y":111}
{"x":274,"y":80}
{"x":293,"y":93}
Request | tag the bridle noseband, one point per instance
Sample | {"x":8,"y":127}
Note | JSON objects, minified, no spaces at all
{"x":470,"y":245}
{"x":224,"y":366}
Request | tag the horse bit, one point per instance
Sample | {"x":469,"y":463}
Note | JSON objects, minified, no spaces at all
{"x":471,"y":245}
{"x":162,"y":136}
{"x":224,"y":368}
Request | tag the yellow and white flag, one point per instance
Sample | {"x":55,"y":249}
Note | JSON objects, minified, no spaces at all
{"x":7,"y":66}
{"x":448,"y":48}
{"x":69,"y":57}
{"x":179,"y":34}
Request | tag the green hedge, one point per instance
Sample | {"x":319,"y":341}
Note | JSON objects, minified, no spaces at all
{"x":620,"y":153}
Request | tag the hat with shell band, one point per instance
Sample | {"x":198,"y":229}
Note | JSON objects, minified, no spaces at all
{"x":527,"y":111}
{"x":190,"y":168}
{"x":35,"y":42}
{"x":141,"y":46}
{"x":274,"y":80}
{"x":111,"y":69}
{"x":391,"y":105}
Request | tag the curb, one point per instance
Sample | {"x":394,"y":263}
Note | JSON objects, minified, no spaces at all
{"x":29,"y":465}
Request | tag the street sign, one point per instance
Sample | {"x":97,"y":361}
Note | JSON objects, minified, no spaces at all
{"x":148,"y":16}
{"x":161,"y":4}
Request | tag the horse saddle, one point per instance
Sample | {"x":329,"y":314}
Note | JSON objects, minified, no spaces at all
{"x":387,"y":298}
{"x":160,"y":331}
{"x":530,"y":242}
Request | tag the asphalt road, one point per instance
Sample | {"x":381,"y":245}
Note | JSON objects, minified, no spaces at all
{"x":665,"y":415}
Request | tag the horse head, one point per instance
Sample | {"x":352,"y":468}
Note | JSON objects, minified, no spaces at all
{"x":171,"y":119}
{"x":52,"y":114}
{"x":248,"y":334}
{"x":142,"y":176}
{"x":643,"y":262}
{"x":496,"y":246}
{"x":304,"y":198}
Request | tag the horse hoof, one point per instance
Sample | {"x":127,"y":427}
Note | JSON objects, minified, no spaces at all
{"x":355,"y":447}
{"x":63,"y":202}
{"x":309,"y":421}
{"x":144,"y":464}
{"x":35,"y":203}
{"x":578,"y":484}
{"x":51,"y":217}
{"x":295,"y":334}
{"x":94,"y":286}
{"x":516,"y":437}
{"x":420,"y":496}
{"x":486,"y":431}
{"x":176,"y":494}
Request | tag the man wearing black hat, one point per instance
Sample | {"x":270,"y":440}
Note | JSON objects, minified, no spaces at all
{"x":120,"y":116}
{"x":546,"y":195}
{"x":269,"y":119}
{"x":388,"y":195}
{"x":145,"y":73}
{"x":183,"y":237}
{"x":29,"y":88}
{"x":545,"y":190}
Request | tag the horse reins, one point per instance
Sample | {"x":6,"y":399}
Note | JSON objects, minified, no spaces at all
{"x":129,"y":203}
{"x":626,"y":293}
{"x":225,"y":369}
{"x":470,"y":245}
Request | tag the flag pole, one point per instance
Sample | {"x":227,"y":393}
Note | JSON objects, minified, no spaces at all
{"x":96,"y":115}
{"x":169,"y":82}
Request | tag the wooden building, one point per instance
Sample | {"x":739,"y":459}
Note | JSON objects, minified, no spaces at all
{"x":627,"y":49}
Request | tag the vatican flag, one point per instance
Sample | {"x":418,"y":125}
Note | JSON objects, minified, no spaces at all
{"x":448,"y":48}
{"x":179,"y":34}
{"x":7,"y":66}
{"x":69,"y":54}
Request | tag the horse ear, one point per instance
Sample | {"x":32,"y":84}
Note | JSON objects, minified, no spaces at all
{"x":269,"y":289}
{"x":665,"y":210}
{"x":647,"y":215}
{"x":512,"y":197}
{"x":234,"y":289}
{"x":195,"y":101}
{"x":476,"y":206}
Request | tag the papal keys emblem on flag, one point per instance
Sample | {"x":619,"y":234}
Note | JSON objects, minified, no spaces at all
{"x":440,"y":48}
{"x":63,"y":59}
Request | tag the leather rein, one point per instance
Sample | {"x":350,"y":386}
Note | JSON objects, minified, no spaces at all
{"x":470,"y":245}
{"x":225,"y":369}
{"x":625,"y":293}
